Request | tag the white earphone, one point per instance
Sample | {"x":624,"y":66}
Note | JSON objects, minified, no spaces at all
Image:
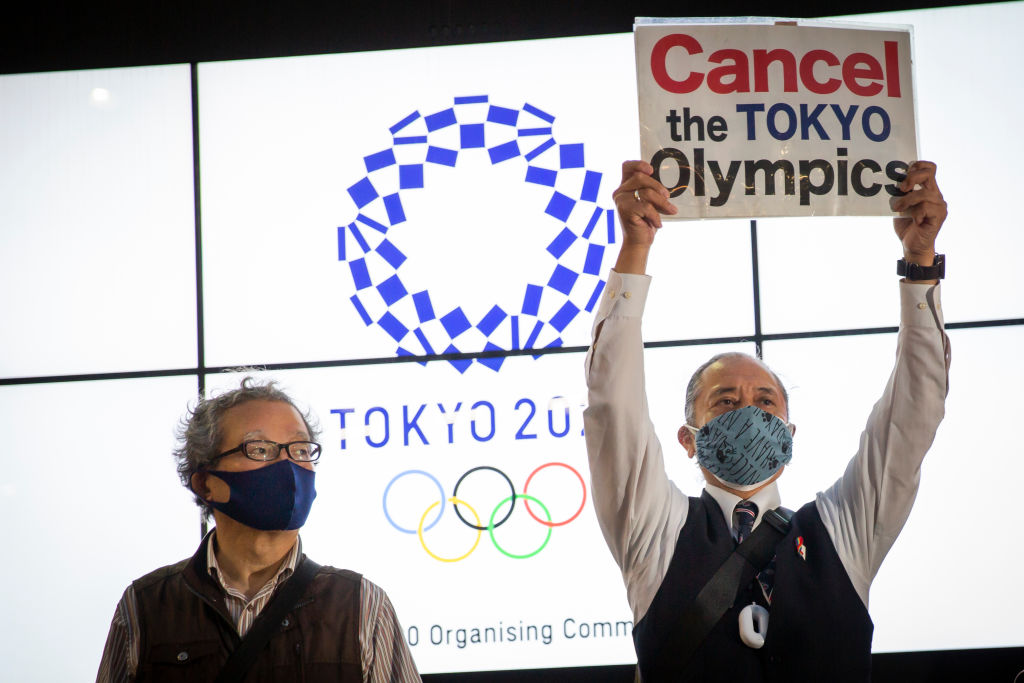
{"x":753,"y":625}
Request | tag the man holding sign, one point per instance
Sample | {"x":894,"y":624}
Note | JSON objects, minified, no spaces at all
{"x":795,"y":607}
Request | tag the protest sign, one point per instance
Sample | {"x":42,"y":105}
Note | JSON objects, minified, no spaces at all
{"x":776,"y":118}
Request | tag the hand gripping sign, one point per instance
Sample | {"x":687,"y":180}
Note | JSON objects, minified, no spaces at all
{"x":774,"y":118}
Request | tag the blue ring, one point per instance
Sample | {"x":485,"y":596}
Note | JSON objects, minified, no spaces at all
{"x":388,"y":488}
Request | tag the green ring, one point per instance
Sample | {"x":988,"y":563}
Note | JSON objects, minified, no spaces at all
{"x":490,"y":527}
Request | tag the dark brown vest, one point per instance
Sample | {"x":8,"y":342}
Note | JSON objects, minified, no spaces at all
{"x":186,"y":633}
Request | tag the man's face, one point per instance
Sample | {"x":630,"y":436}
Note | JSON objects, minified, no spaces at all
{"x":268,"y":420}
{"x":737,"y":382}
{"x":729,"y":384}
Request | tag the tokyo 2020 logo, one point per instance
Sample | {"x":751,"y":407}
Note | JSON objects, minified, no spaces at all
{"x":476,"y":136}
{"x":492,"y":518}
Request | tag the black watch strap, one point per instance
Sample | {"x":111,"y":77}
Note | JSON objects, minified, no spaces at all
{"x":913,"y":271}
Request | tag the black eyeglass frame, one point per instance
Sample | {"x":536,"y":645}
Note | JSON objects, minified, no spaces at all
{"x":242,"y":448}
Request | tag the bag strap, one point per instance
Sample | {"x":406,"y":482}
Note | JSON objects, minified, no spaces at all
{"x":268,"y":621}
{"x":719,"y":593}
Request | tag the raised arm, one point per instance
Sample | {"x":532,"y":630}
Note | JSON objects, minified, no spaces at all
{"x":638,"y":508}
{"x":865,"y":510}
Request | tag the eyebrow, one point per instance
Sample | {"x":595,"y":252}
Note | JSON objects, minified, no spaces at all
{"x":258,"y":434}
{"x":726,"y":390}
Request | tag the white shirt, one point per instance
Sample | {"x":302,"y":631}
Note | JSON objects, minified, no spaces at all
{"x":641,"y":512}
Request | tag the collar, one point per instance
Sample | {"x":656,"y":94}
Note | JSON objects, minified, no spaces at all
{"x":286,"y":569}
{"x":766,"y":499}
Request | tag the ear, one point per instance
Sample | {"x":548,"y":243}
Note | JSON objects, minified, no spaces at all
{"x":685,"y":437}
{"x":792,"y":429}
{"x":211,"y":488}
{"x":198,"y":484}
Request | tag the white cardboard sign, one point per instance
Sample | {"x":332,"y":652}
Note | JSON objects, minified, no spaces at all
{"x":776,"y":119}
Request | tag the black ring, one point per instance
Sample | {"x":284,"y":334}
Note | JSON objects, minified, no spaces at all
{"x":455,"y":494}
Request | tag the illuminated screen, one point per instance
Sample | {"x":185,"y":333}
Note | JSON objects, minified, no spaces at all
{"x":362,"y":209}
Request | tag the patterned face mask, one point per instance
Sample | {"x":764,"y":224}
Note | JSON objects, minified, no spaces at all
{"x":744,"y":447}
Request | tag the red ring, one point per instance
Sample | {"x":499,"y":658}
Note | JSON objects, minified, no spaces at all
{"x":526,"y":502}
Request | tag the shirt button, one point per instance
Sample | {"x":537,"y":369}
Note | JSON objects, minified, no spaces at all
{"x":922,"y":306}
{"x":182,"y":656}
{"x":626,"y":295}
{"x":611,"y":293}
{"x":285,"y":622}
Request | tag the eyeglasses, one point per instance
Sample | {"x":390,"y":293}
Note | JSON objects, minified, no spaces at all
{"x":265,"y":451}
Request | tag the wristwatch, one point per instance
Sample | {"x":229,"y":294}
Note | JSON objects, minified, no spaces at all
{"x":913,"y":271}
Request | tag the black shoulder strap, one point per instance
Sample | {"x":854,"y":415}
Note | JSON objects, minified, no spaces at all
{"x":719,"y":593}
{"x":269,"y":620}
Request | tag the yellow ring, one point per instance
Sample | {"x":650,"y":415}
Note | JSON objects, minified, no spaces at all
{"x":419,"y":530}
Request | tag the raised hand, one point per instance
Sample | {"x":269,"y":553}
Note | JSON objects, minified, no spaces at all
{"x":922,"y":213}
{"x":640,"y":200}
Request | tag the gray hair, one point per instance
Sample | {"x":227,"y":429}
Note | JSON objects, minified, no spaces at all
{"x":199,"y":433}
{"x":696,"y":383}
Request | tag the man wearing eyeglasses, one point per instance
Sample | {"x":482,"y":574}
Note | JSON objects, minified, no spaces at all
{"x":248,"y":456}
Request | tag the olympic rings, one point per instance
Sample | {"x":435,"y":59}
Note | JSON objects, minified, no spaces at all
{"x":454,"y":501}
{"x":549,"y":523}
{"x":492,"y":524}
{"x":510,"y":485}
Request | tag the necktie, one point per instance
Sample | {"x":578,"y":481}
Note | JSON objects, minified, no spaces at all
{"x":743,"y":519}
{"x":744,"y":515}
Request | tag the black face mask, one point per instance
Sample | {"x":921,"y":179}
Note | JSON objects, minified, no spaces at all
{"x":273,"y":498}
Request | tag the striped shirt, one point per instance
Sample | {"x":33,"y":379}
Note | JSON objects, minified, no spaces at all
{"x":243,"y":612}
{"x":386,"y":657}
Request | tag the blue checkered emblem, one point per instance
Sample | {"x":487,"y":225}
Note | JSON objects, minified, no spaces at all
{"x":475,"y":134}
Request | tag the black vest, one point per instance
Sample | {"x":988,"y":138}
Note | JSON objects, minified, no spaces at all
{"x":186,"y":632}
{"x":818,"y":627}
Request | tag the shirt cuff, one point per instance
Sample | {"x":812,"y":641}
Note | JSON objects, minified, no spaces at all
{"x":920,"y":305}
{"x":624,"y":295}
